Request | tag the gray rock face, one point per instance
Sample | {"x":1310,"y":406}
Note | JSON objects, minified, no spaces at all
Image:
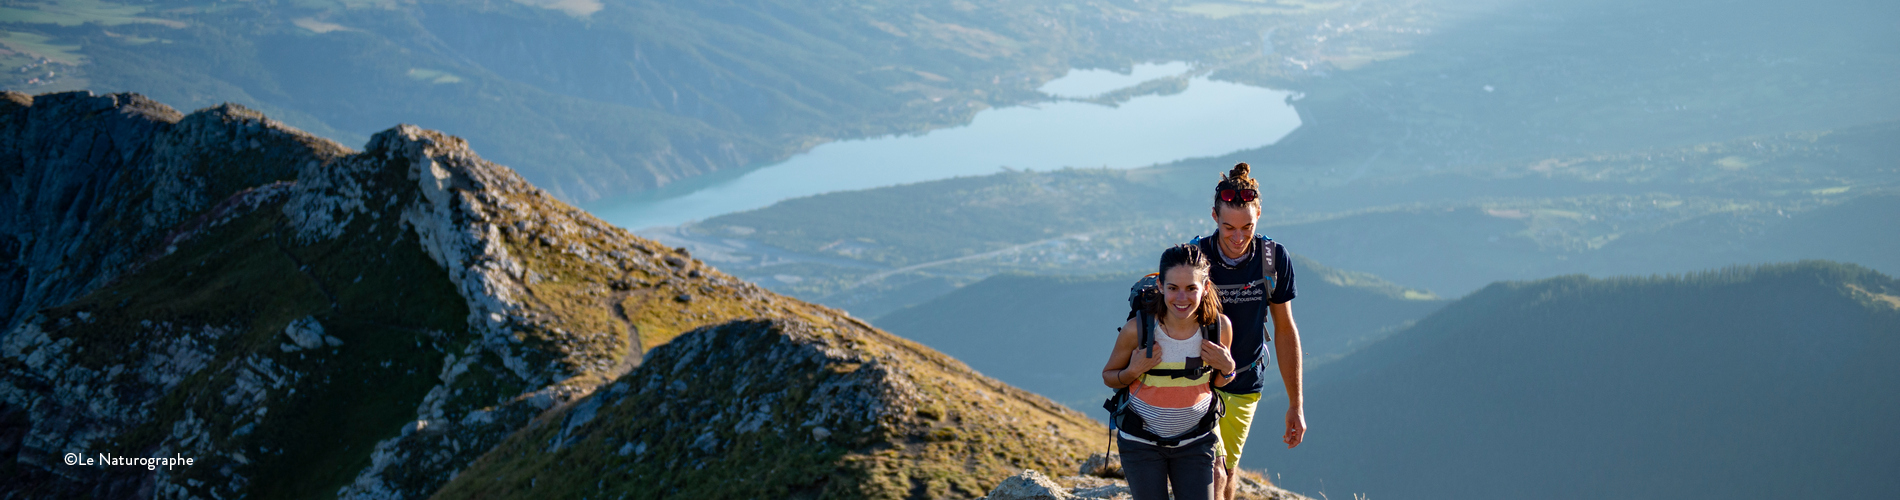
{"x":94,"y":185}
{"x":103,"y":189}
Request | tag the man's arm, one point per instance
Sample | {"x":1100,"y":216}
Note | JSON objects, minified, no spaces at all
{"x":1286,"y":347}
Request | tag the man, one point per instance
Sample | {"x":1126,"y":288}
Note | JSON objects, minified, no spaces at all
{"x":1255,"y":279}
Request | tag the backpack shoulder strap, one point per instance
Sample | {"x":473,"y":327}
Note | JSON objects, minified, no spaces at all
{"x":1261,"y":244}
{"x":1147,"y":337}
{"x":1212,"y":332}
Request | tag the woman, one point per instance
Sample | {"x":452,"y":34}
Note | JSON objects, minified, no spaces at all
{"x":1174,"y":405}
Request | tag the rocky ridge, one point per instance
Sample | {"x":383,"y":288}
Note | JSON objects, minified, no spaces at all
{"x":299,"y":317}
{"x":820,"y":407}
{"x":91,"y":182}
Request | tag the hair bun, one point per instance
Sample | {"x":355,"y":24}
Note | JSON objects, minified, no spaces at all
{"x":1239,"y":172}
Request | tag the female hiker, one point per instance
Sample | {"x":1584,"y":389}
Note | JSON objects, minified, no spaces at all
{"x":1167,"y":437}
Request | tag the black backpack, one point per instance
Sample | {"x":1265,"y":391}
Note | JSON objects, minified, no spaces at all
{"x":1147,"y":291}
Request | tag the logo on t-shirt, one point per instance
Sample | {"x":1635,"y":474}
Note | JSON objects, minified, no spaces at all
{"x":1231,"y":295}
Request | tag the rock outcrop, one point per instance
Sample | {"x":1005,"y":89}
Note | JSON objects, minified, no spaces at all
{"x":296,"y":316}
{"x":301,"y":319}
{"x":92,"y":183}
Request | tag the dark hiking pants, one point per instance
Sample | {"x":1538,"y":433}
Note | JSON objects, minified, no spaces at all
{"x":1150,"y":469}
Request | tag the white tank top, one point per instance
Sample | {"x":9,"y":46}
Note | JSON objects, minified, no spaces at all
{"x":1172,"y":406}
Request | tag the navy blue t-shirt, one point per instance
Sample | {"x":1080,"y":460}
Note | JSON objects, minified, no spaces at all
{"x":1245,"y":291}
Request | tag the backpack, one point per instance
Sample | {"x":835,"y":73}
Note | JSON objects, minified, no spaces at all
{"x":1144,"y":292}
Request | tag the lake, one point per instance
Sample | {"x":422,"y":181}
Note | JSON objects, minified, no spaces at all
{"x":1209,"y":118}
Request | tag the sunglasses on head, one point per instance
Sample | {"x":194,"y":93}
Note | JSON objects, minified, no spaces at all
{"x":1238,"y":195}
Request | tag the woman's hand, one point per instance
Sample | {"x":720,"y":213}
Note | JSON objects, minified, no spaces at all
{"x":1140,"y":362}
{"x":1217,"y":356}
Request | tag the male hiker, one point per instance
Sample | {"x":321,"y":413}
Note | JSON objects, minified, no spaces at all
{"x":1255,"y":279}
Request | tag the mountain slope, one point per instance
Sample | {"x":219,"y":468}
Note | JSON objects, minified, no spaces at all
{"x":1338,"y":312}
{"x":1766,"y":381}
{"x":828,"y":408}
{"x":91,"y":184}
{"x":364,"y":325}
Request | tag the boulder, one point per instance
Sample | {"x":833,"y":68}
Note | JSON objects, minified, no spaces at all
{"x":1029,"y":485}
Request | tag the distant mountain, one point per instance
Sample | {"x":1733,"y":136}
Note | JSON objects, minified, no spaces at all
{"x":592,"y":99}
{"x":1750,"y":382}
{"x":1051,"y":334}
{"x":1496,"y":81}
{"x":304,"y":320}
{"x":1459,"y":248}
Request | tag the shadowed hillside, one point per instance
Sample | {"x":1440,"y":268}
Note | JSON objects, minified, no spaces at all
{"x":1756,"y":382}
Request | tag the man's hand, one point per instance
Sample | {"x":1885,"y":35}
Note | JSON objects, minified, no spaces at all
{"x":1295,"y":426}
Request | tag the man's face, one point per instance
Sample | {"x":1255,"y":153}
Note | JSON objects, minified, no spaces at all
{"x":1236,"y":229}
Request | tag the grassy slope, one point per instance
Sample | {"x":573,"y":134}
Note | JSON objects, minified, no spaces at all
{"x":734,"y":411}
{"x":1021,"y":318}
{"x":1756,"y":381}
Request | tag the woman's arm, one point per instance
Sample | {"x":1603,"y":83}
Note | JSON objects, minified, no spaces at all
{"x":1125,"y":365}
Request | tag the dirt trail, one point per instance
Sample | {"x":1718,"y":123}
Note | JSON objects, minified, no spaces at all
{"x":635,"y":352}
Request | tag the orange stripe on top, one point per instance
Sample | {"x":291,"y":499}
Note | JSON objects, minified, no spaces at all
{"x":1171,"y":397}
{"x":1170,"y":392}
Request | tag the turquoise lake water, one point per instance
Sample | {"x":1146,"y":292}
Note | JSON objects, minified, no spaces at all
{"x":1210,"y":118}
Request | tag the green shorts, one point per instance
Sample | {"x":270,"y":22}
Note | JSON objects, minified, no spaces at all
{"x":1234,"y":426}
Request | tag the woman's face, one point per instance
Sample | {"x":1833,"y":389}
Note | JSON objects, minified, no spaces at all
{"x":1182,"y":288}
